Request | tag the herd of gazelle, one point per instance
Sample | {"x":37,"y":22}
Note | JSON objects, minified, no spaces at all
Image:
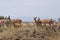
{"x":38,"y":21}
{"x":15,"y":22}
{"x":45,"y":21}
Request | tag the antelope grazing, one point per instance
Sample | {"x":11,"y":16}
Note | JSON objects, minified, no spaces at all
{"x":45,"y":21}
{"x":3,"y":21}
{"x":16,"y":22}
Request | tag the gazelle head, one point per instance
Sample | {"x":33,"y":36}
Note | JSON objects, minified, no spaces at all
{"x":35,"y":18}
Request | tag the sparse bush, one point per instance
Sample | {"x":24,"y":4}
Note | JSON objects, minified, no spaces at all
{"x":1,"y":17}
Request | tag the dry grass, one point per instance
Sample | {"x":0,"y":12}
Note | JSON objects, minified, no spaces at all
{"x":29,"y":31}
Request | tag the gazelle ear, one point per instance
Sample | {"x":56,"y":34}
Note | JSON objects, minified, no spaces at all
{"x":34,"y":17}
{"x":38,"y":18}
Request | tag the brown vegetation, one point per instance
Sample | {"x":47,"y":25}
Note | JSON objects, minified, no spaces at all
{"x":29,"y":31}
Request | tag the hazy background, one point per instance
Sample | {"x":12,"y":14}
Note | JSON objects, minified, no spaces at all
{"x":26,"y":9}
